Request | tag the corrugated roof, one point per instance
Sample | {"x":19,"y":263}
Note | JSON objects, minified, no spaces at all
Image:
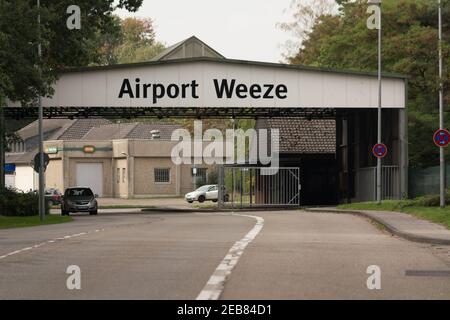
{"x":80,"y":127}
{"x":303,"y":136}
{"x":21,"y":158}
{"x":49,"y":125}
{"x":110,"y":131}
{"x":130,"y":131}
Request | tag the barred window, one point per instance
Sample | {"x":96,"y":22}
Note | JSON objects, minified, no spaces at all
{"x":162,"y":175}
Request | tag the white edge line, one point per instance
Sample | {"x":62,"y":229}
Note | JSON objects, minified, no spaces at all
{"x":214,"y":287}
{"x":47,"y":242}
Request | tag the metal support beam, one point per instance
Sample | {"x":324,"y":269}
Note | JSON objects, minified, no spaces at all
{"x":160,"y":112}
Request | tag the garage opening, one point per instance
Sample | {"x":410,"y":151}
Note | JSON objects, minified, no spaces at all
{"x":90,"y":175}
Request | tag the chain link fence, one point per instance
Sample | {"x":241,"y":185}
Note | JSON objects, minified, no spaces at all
{"x":425,"y":181}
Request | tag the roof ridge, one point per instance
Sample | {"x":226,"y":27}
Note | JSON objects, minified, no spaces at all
{"x":166,"y":52}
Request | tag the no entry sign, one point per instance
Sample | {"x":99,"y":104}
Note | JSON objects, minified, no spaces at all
{"x":380,"y":150}
{"x":441,"y":138}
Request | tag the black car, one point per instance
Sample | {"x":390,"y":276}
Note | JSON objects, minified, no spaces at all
{"x":79,"y":199}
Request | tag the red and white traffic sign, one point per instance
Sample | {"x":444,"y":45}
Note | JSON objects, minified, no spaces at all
{"x":380,"y":150}
{"x":441,"y":138}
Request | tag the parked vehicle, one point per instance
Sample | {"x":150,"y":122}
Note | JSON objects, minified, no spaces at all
{"x":204,"y":193}
{"x":79,"y":199}
{"x":53,"y":197}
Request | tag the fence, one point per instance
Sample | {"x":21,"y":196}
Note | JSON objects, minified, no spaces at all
{"x":366,"y":183}
{"x":425,"y":181}
{"x":243,"y":187}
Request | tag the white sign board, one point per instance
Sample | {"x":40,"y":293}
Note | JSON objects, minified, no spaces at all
{"x":227,"y":84}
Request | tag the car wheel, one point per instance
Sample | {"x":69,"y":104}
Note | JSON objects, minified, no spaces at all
{"x":214,"y":200}
{"x":190,"y":201}
{"x":93,"y":213}
{"x":201,"y":199}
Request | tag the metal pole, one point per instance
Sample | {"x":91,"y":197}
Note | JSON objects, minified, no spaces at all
{"x":2,"y":135}
{"x":2,"y":145}
{"x":41,"y":131}
{"x":441,"y":113}
{"x":379,"y":138}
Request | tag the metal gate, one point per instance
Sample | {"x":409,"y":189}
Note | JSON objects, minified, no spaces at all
{"x":366,"y":183}
{"x":244,"y":187}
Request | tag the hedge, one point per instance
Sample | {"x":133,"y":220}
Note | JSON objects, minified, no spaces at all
{"x":16,"y":203}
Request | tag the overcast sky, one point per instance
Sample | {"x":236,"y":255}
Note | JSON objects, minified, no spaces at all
{"x":238,"y":29}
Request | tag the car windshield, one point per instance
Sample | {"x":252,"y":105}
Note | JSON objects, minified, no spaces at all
{"x":203,"y":188}
{"x":79,"y":192}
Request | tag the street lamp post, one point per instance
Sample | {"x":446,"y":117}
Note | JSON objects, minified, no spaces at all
{"x":41,"y":131}
{"x":441,"y":113}
{"x":379,"y":136}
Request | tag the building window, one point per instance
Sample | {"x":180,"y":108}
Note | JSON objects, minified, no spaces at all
{"x":118,"y":175}
{"x":162,"y":175}
{"x":123,"y":175}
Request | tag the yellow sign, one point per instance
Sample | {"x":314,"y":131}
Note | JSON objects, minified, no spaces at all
{"x":89,"y":149}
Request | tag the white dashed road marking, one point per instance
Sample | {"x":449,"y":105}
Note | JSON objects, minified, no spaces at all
{"x":48,"y":241}
{"x":214,"y":287}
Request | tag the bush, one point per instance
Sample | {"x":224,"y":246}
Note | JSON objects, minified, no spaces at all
{"x":15,"y":203}
{"x":431,"y":200}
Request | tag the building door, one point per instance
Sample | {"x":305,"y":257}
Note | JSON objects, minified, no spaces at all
{"x":90,"y":175}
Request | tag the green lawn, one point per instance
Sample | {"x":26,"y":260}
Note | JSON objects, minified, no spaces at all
{"x":20,"y":222}
{"x":434,"y":214}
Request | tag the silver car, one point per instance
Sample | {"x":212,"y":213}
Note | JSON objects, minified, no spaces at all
{"x":79,"y":199}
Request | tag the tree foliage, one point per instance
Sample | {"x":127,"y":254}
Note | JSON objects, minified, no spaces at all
{"x":23,"y":75}
{"x":131,"y":40}
{"x":410,"y":46}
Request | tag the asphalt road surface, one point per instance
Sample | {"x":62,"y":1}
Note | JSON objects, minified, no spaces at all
{"x":289,"y":255}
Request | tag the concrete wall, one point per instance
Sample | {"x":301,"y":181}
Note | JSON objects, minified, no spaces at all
{"x":26,"y":178}
{"x":54,"y":174}
{"x":144,"y":180}
{"x":139,"y":158}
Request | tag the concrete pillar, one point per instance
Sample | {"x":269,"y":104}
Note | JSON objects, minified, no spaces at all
{"x":131,"y":174}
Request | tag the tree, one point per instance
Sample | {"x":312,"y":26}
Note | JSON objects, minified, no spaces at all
{"x":305,"y":16}
{"x":343,"y":41}
{"x":131,"y":40}
{"x":23,"y":75}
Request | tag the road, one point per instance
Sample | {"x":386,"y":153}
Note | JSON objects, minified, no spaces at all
{"x":289,"y":255}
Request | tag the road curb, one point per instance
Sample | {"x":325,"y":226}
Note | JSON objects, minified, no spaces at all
{"x":212,"y":210}
{"x":406,"y":235}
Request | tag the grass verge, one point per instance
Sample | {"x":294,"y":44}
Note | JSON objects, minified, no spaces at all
{"x":430,"y":213}
{"x":20,"y":222}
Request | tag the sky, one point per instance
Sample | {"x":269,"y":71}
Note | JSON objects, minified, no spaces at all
{"x":238,"y":29}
